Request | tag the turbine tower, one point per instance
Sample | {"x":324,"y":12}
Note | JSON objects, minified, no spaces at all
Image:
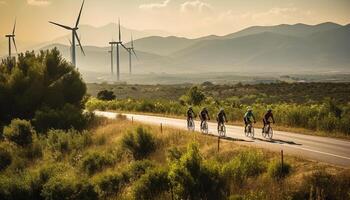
{"x":112,"y":43}
{"x":117,"y":45}
{"x":131,"y":50}
{"x":74,"y":35}
{"x":11,"y":37}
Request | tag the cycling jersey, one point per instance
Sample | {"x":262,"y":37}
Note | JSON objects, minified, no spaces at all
{"x":221,"y":117}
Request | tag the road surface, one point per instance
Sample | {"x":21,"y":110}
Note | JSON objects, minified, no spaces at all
{"x":323,"y":149}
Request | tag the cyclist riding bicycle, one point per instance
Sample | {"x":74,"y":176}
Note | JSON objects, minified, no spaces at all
{"x":190,"y":115}
{"x":221,"y":117}
{"x":204,"y":115}
{"x":247,"y":118}
{"x":266,"y":119}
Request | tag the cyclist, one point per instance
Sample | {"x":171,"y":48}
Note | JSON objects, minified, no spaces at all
{"x":221,"y":117}
{"x":190,"y":115}
{"x":266,"y":119}
{"x":204,"y":116}
{"x":247,"y":118}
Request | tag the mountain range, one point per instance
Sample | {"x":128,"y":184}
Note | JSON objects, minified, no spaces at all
{"x":282,"y":48}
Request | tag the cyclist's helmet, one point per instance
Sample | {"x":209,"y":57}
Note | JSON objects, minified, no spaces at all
{"x":221,"y":109}
{"x":190,"y":107}
{"x":249,"y":109}
{"x":205,"y":109}
{"x":269,"y":110}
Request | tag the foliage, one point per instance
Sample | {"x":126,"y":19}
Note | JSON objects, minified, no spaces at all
{"x":95,"y":161}
{"x":140,"y":142}
{"x":106,"y":95}
{"x":110,"y":183}
{"x":152,"y":185}
{"x":36,"y":82}
{"x":19,"y":132}
{"x":323,"y":185}
{"x":194,"y":96}
{"x":192,"y":179}
{"x":277,"y":171}
{"x":5,"y":158}
{"x":245,"y":164}
{"x":65,"y":187}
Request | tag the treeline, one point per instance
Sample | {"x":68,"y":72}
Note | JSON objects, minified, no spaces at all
{"x":327,"y":116}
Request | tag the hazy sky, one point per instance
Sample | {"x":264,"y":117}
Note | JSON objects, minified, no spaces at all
{"x":189,"y":18}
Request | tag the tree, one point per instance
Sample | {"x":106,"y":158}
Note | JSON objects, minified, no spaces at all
{"x":195,"y":96}
{"x":106,"y":95}
{"x":38,"y":81}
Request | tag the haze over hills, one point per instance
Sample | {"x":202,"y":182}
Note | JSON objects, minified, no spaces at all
{"x":281,"y":48}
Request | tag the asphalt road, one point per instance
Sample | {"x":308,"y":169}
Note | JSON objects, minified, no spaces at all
{"x":322,"y":149}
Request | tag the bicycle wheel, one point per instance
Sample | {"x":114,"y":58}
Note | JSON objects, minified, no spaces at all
{"x":270,"y":133}
{"x":251,"y":131}
{"x":264,"y":132}
{"x":223,"y":130}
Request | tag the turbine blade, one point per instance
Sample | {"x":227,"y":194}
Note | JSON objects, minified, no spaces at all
{"x":81,"y":47}
{"x":120,"y":34}
{"x":14,"y":43}
{"x":132,"y":42}
{"x":14,"y":27}
{"x":124,"y":47}
{"x":60,"y":25}
{"x":81,"y":9}
{"x":135,"y":54}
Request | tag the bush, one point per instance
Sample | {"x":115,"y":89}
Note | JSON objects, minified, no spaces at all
{"x":65,"y":118}
{"x":106,"y":95}
{"x":152,"y":185}
{"x":61,"y":142}
{"x":109,"y":184}
{"x":14,"y":187}
{"x":245,"y":164}
{"x":5,"y":158}
{"x":19,"y":132}
{"x":323,"y":185}
{"x":136,"y":169}
{"x":93,"y":162}
{"x":191,"y":179}
{"x":67,"y":187}
{"x":277,"y":171}
{"x":140,"y":143}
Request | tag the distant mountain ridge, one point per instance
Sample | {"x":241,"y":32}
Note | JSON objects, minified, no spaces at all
{"x":281,"y":48}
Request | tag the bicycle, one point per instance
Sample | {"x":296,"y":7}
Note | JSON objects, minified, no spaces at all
{"x":191,"y":125}
{"x":249,"y":131}
{"x":221,"y":130}
{"x":204,"y":127}
{"x":267,"y":131}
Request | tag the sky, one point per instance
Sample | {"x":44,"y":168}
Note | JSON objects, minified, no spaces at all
{"x":189,"y":18}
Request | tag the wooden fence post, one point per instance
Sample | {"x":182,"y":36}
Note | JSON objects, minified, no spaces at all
{"x":161,"y":128}
{"x":218,"y":144}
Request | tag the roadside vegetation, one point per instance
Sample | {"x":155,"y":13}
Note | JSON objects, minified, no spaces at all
{"x":324,"y":115}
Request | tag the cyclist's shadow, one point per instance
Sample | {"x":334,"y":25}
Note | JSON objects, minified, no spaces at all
{"x":277,"y":141}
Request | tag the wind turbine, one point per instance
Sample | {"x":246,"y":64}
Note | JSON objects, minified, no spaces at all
{"x":131,"y":51}
{"x":74,"y":35}
{"x":11,"y":37}
{"x":117,"y":45}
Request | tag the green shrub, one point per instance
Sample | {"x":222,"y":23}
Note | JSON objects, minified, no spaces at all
{"x":136,"y":169}
{"x":68,"y":187}
{"x":110,"y":184}
{"x":191,"y":179}
{"x":152,"y":185}
{"x":34,"y":150}
{"x":93,"y":162}
{"x":5,"y":158}
{"x":65,"y":118}
{"x":59,"y":141}
{"x":323,"y":185}
{"x":14,"y":187}
{"x":140,"y":143}
{"x":106,"y":95}
{"x":19,"y":132}
{"x":246,"y":164}
{"x":277,"y":171}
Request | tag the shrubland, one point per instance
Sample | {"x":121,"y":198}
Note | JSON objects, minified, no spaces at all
{"x":120,"y":159}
